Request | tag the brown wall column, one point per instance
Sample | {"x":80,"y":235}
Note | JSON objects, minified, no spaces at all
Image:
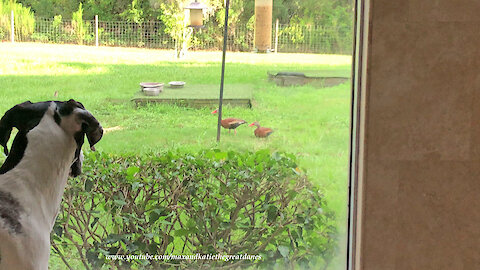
{"x":419,"y":161}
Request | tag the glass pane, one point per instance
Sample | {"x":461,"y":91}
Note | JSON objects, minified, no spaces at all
{"x":271,"y":193}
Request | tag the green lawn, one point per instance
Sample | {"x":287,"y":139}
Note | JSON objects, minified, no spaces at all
{"x":310,"y":122}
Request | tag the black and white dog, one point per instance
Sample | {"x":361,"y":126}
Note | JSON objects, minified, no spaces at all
{"x":45,"y":151}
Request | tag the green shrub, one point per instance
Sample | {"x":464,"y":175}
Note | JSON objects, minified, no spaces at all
{"x":57,"y":22}
{"x":39,"y":37}
{"x":78,"y":25}
{"x":212,"y":202}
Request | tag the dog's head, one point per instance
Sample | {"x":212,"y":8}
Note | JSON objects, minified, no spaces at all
{"x":69,"y":115}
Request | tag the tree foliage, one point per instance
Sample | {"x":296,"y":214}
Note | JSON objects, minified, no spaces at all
{"x":323,"y":26}
{"x":305,"y":12}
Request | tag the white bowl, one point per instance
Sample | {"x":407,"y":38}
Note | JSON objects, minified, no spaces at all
{"x":176,"y":84}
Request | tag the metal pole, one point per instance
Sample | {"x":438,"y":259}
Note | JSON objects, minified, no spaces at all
{"x":225,"y":35}
{"x":96,"y":30}
{"x":12,"y":30}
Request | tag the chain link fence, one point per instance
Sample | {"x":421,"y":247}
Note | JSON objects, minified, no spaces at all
{"x":288,"y":38}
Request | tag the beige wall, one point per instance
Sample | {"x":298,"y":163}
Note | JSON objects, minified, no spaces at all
{"x":420,"y":163}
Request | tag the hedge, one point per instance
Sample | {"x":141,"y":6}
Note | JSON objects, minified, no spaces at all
{"x":204,"y":204}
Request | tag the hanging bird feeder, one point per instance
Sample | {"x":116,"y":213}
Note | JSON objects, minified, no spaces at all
{"x":263,"y":25}
{"x":195,"y":10}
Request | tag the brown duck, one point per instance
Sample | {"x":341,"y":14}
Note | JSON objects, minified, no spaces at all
{"x":261,"y":132}
{"x":230,"y":123}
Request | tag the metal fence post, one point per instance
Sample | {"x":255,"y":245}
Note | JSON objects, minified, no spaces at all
{"x":12,"y":30}
{"x":276,"y":36}
{"x":96,"y":30}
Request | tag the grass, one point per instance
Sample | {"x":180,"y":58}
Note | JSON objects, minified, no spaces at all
{"x":310,"y":122}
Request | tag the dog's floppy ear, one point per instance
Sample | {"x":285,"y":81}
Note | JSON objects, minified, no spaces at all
{"x":76,"y":168}
{"x":23,"y":116}
{"x":18,"y":149}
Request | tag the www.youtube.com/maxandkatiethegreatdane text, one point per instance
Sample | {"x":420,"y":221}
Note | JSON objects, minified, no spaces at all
{"x":197,"y":256}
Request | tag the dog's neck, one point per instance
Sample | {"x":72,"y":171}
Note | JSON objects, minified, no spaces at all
{"x":47,"y":160}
